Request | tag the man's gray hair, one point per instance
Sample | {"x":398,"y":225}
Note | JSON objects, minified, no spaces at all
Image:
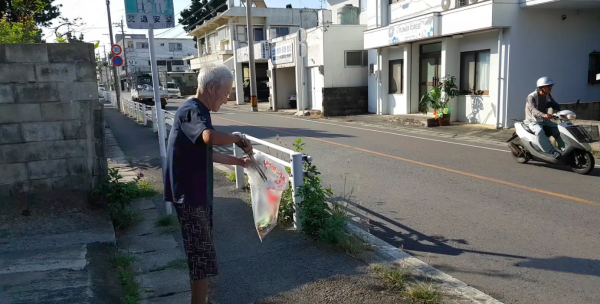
{"x":213,"y":73}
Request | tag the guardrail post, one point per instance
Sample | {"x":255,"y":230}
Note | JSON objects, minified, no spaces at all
{"x":297,"y":182}
{"x":154,"y":120}
{"x":240,"y":181}
{"x":144,"y":118}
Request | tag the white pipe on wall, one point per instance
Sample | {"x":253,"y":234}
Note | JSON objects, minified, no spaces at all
{"x":501,"y":54}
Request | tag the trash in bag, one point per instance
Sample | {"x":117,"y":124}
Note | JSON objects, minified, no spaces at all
{"x":266,"y":196}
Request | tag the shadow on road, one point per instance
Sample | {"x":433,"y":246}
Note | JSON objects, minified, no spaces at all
{"x":265,"y":133}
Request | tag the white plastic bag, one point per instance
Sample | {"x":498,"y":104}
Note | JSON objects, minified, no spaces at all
{"x":266,"y":196}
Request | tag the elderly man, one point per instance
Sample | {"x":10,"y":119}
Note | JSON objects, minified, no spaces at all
{"x":538,"y":119}
{"x":189,"y":173}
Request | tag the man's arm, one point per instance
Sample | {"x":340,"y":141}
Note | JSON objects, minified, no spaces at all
{"x":530,"y":107}
{"x":555,"y":105}
{"x":229,"y":160}
{"x":217,"y":138}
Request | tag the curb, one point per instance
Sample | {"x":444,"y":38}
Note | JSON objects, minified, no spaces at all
{"x":391,"y":254}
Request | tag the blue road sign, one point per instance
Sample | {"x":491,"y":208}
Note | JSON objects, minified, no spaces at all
{"x":117,"y":61}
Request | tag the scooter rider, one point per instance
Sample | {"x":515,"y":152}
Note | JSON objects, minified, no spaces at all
{"x":536,"y":109}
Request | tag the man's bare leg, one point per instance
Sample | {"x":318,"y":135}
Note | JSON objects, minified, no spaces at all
{"x":199,"y":291}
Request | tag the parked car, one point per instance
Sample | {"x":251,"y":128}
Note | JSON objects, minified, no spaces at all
{"x":173,"y":90}
{"x":145,"y":94}
{"x":101,"y":90}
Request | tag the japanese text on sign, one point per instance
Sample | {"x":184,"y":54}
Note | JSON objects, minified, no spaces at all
{"x":146,"y":14}
{"x":282,"y":53}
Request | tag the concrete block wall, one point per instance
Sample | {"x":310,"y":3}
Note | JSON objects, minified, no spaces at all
{"x":345,"y":101}
{"x":51,"y":120}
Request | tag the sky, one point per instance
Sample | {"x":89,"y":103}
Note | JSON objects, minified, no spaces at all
{"x":94,"y":17}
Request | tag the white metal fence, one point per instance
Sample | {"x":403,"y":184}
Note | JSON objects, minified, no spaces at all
{"x":144,"y":114}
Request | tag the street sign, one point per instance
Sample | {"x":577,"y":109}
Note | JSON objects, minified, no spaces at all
{"x":116,"y":49}
{"x":117,"y":61}
{"x":149,"y":14}
{"x":303,"y":49}
{"x":301,"y":35}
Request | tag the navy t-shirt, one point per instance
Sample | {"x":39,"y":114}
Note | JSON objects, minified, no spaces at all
{"x":189,"y":173}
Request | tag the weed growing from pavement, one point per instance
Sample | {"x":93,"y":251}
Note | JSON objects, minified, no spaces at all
{"x":119,"y":196}
{"x":129,"y":160}
{"x":167,"y":224}
{"x":131,"y":289}
{"x":231,"y":176}
{"x":422,"y":293}
{"x":178,"y":264}
{"x":401,"y":280}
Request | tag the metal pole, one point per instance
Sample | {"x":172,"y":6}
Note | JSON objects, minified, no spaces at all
{"x":159,"y":111}
{"x":126,"y":64}
{"x":114,"y":68}
{"x":251,"y":64}
{"x":239,"y":171}
{"x":297,"y":182}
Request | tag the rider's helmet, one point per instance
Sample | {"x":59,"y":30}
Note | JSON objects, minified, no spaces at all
{"x":544,"y":81}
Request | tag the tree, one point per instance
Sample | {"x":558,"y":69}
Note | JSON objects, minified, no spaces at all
{"x":20,"y":20}
{"x":200,"y":11}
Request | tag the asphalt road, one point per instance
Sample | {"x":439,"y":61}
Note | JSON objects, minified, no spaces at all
{"x":521,"y":233}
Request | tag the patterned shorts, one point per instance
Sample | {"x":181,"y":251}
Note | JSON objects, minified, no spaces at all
{"x":196,"y":229}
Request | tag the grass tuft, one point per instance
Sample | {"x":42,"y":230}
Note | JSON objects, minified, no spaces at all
{"x":178,"y":264}
{"x":167,"y":224}
{"x":131,"y":289}
{"x":422,"y":293}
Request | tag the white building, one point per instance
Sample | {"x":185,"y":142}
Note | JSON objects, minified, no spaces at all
{"x":496,"y":49}
{"x":170,"y":54}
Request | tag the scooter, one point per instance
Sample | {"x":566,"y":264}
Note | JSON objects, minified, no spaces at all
{"x":576,"y":153}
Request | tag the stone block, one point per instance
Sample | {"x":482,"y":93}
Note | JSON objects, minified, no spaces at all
{"x":1,"y":154}
{"x":61,"y":111}
{"x":6,"y":94}
{"x":2,"y":53}
{"x":42,"y":131}
{"x":100,"y":148}
{"x":56,"y":72}
{"x":48,"y":168}
{"x":87,"y":111}
{"x":77,"y":166}
{"x":74,"y":129}
{"x":78,"y":91}
{"x":98,"y":116}
{"x":98,"y":130}
{"x":13,"y":173}
{"x":66,"y":148}
{"x":39,"y":92}
{"x":26,"y":73}
{"x":15,"y":113}
{"x":86,"y":72}
{"x":10,"y":134}
{"x":73,"y":182}
{"x":70,"y":52}
{"x":25,"y":152}
{"x":26,"y":53}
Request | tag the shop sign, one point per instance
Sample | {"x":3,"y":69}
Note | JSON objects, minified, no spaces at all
{"x":412,"y":30}
{"x":282,"y":53}
{"x":261,"y":52}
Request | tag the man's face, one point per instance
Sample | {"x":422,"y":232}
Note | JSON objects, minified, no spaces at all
{"x":547,"y":89}
{"x":220,"y":95}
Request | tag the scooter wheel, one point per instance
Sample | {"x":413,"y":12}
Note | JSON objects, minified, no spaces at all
{"x":516,"y":151}
{"x":583,"y":162}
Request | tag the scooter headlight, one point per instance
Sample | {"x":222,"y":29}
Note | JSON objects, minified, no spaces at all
{"x":571,"y":116}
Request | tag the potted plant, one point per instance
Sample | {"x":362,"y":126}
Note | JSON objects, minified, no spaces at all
{"x":438,"y":98}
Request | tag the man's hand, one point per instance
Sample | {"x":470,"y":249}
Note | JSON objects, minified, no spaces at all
{"x":246,"y":145}
{"x":245,"y":162}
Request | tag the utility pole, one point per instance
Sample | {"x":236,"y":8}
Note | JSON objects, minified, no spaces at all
{"x":104,"y":67}
{"x":125,"y":63}
{"x":114,"y":68}
{"x":251,"y":64}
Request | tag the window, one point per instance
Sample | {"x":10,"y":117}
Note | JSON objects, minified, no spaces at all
{"x":129,"y":44}
{"x":357,"y":58}
{"x":177,"y":62}
{"x":363,"y":5}
{"x":594,"y":68}
{"x":241,"y":33}
{"x":280,"y":31}
{"x":475,"y":72}
{"x":175,"y":47}
{"x":259,"y":34}
{"x":141,"y":45}
{"x":161,"y":62}
{"x":396,"y":70}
